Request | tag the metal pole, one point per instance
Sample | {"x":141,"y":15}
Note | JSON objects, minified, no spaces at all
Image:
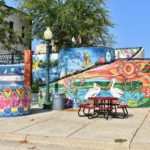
{"x":47,"y":104}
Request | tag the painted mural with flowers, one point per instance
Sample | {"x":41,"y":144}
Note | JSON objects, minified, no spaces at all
{"x":15,"y":98}
{"x":128,"y":53}
{"x":127,"y":80}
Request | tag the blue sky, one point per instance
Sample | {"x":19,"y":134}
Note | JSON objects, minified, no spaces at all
{"x":132,"y":23}
{"x":132,"y":19}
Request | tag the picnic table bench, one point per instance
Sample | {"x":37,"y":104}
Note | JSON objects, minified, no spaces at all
{"x":106,"y":106}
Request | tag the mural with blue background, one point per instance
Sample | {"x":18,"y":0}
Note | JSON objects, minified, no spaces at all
{"x":12,"y":74}
{"x":39,"y":71}
{"x":69,"y":61}
{"x":73,"y":60}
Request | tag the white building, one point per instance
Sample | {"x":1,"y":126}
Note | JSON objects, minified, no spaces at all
{"x":17,"y":23}
{"x":41,"y":48}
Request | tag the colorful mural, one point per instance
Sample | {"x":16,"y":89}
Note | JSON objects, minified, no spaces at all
{"x":127,"y":80}
{"x":73,"y":60}
{"x":127,"y":53}
{"x":69,"y":61}
{"x":14,"y":100}
{"x":12,"y":75}
{"x":39,"y":71}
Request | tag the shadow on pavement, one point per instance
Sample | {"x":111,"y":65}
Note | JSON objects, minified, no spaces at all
{"x":39,"y":110}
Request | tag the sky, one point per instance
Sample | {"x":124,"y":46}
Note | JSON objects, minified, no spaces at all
{"x":132,"y":23}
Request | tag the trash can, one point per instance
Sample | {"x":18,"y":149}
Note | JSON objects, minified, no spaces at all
{"x":59,"y":101}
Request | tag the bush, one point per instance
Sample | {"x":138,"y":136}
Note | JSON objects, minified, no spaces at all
{"x":35,"y":88}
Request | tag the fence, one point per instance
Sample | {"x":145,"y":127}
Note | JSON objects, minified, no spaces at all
{"x":11,"y":58}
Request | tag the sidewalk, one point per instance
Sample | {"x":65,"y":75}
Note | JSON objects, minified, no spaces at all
{"x":64,"y":130}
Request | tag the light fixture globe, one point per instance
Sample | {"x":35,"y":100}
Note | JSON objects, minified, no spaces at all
{"x":48,"y":34}
{"x":73,"y":40}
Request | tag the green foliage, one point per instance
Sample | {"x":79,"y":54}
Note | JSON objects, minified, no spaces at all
{"x":53,"y":63}
{"x":133,"y":86}
{"x":145,"y":102}
{"x":41,"y":64}
{"x":146,"y":68}
{"x":87,"y":85}
{"x":35,"y":88}
{"x":87,"y":19}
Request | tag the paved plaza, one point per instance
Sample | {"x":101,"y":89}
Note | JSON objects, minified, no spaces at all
{"x":64,"y":130}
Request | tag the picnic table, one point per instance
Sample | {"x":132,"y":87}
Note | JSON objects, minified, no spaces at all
{"x":106,"y":106}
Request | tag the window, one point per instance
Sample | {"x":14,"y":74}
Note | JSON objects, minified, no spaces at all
{"x":11,"y":26}
{"x":23,"y":28}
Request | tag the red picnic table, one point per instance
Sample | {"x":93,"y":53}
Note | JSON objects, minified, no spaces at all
{"x":104,"y":106}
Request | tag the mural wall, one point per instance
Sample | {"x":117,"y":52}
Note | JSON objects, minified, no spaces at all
{"x":127,"y":53}
{"x":127,"y":80}
{"x":39,"y":71}
{"x":12,"y":75}
{"x":73,"y":60}
{"x":70,"y":61}
{"x":15,"y":98}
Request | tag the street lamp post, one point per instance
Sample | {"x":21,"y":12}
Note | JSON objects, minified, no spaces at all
{"x":47,"y":36}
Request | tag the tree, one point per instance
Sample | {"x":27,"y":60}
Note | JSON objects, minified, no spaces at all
{"x":86,"y":20}
{"x":9,"y":38}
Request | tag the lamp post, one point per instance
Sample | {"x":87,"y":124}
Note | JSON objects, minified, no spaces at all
{"x":47,"y":36}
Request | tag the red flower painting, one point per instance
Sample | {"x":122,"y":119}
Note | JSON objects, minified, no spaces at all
{"x":129,"y":70}
{"x":68,"y":83}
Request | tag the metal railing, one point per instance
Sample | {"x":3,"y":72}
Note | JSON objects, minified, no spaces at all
{"x":11,"y":59}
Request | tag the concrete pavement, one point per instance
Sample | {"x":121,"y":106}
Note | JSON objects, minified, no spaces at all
{"x":64,"y":130}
